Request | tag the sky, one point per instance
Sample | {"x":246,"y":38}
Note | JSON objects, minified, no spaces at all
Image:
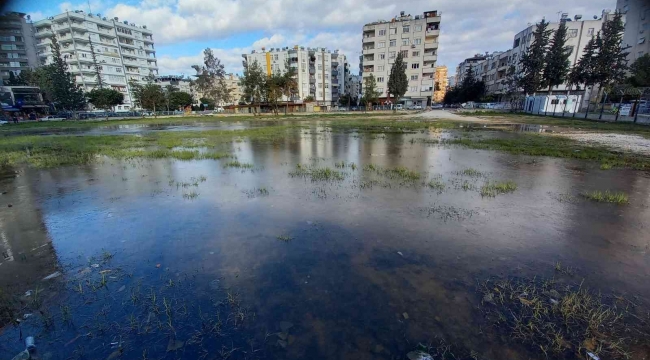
{"x":183,"y":28}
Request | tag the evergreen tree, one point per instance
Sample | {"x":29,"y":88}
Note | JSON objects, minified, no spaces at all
{"x":64,"y":91}
{"x":611,"y":59}
{"x":532,"y":61}
{"x":640,"y":71}
{"x":210,"y":78}
{"x":148,"y":96}
{"x":98,"y":68}
{"x":397,"y":81}
{"x":557,"y":64}
{"x":370,"y":93}
{"x":584,"y":71}
{"x":253,"y":83}
{"x":169,"y":90}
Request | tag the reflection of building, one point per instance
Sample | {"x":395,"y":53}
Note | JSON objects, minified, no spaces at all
{"x":637,"y":27}
{"x":22,"y":98}
{"x":17,"y":50}
{"x":416,"y":38}
{"x":441,"y":84}
{"x":320,"y":72}
{"x":124,"y":51}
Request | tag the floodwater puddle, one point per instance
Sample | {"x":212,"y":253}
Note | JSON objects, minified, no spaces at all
{"x":332,"y":245}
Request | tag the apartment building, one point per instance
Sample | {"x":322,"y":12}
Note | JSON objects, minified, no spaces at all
{"x":441,"y":84}
{"x":180,"y":82}
{"x":17,"y":50}
{"x":320,"y":72}
{"x":353,"y":86}
{"x":125,"y":51}
{"x":417,"y":39}
{"x":493,"y":67}
{"x":236,"y":93}
{"x":461,"y":69}
{"x":637,"y":27}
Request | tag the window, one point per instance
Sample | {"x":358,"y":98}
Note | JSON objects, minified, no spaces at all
{"x":381,"y":44}
{"x":590,"y":32}
{"x":117,"y":69}
{"x":380,"y":90}
{"x":275,"y":57}
{"x":415,"y":53}
{"x":415,"y":66}
{"x":320,"y":66}
{"x":413,"y":88}
{"x":391,"y":55}
{"x":382,"y":32}
{"x":516,"y":44}
{"x":417,"y":41}
{"x":392,"y":43}
{"x":380,"y":68}
{"x":380,"y":79}
{"x":114,"y":60}
{"x":382,"y":56}
{"x":405,"y":42}
{"x":327,"y":86}
{"x":320,"y":75}
{"x":418,"y":28}
{"x":303,"y":69}
{"x":572,"y":33}
{"x":414,"y":77}
{"x":406,"y":29}
{"x":83,"y":55}
{"x":392,"y":31}
{"x":405,"y":53}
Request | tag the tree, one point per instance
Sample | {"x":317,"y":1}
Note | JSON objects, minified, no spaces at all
{"x":557,"y":64}
{"x":289,"y":84}
{"x":309,"y":98}
{"x":279,"y":84}
{"x":532,"y":61}
{"x":148,"y":96}
{"x":15,"y":80}
{"x":511,"y":88}
{"x":98,"y":68}
{"x":397,"y":81}
{"x":611,"y":59}
{"x":210,"y":78}
{"x":169,"y":91}
{"x":207,"y":103}
{"x":105,"y":99}
{"x":64,"y":91}
{"x":469,"y":89}
{"x":584,"y":71}
{"x":253,"y":83}
{"x":370,"y":93}
{"x":640,"y":71}
{"x":180,"y":100}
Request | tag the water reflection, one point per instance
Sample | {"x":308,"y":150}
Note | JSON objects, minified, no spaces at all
{"x":359,"y":257}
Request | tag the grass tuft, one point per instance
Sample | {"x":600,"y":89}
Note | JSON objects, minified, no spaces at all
{"x":237,"y":164}
{"x":492,"y":189}
{"x":607,"y":196}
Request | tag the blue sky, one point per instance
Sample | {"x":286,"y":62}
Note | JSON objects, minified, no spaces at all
{"x":183,"y":28}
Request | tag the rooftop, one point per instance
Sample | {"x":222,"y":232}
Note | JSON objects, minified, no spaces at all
{"x":403,"y":17}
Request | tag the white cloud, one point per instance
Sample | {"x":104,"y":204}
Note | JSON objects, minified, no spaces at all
{"x":36,"y":15}
{"x":468,"y":26}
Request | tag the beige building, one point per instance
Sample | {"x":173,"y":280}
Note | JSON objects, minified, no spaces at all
{"x":637,"y":27}
{"x":441,"y":84}
{"x":232,"y":81}
{"x":320,"y":72}
{"x":125,"y":50}
{"x":417,"y":39}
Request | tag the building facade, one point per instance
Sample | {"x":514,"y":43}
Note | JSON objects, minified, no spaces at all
{"x":124,"y":51}
{"x":461,"y":69}
{"x":637,"y":27}
{"x":17,"y":51}
{"x":353,"y":86}
{"x":417,"y":39}
{"x":236,"y":93}
{"x":492,"y":68}
{"x":319,"y":72}
{"x":441,"y":84}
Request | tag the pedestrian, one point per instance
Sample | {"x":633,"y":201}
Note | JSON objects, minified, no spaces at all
{"x":15,"y":118}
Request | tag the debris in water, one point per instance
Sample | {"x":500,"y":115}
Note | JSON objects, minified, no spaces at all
{"x":488,"y":298}
{"x":157,"y":266}
{"x":400,"y":254}
{"x":554,"y":302}
{"x":419,"y":355}
{"x":28,"y":293}
{"x":285,"y":326}
{"x":9,"y":205}
{"x":94,"y":266}
{"x":121,"y":288}
{"x":27,"y":316}
{"x":115,"y":354}
{"x":593,"y":356}
{"x":174,"y":345}
{"x":282,"y":344}
{"x":52,"y":276}
{"x":406,"y":315}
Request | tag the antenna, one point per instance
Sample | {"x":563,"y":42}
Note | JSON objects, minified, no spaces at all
{"x":89,"y":11}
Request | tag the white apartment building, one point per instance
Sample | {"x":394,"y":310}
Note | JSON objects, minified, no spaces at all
{"x":417,"y":39}
{"x":124,"y":51}
{"x":493,"y":68}
{"x":320,"y":72}
{"x":637,"y":27}
{"x":17,"y":50}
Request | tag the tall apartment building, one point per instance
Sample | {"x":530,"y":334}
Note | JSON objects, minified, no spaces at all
{"x":493,"y":68}
{"x":637,"y":27}
{"x":236,"y":93}
{"x":353,"y":86}
{"x":125,"y":51}
{"x":320,"y":72}
{"x":417,"y":39}
{"x":441,"y":84}
{"x":461,"y":69}
{"x":17,"y":50}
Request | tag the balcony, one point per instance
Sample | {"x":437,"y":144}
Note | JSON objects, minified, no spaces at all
{"x":335,"y":63}
{"x":43,"y":33}
{"x":148,"y":39}
{"x":335,"y":81}
{"x":428,"y":58}
{"x":335,"y":73}
{"x":369,"y":39}
{"x":432,"y":32}
{"x":312,"y":70}
{"x":433,"y":19}
{"x":431,"y":44}
{"x":369,"y":50}
{"x":312,"y":80}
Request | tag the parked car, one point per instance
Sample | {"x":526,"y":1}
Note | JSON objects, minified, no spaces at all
{"x":417,"y":107}
{"x":399,"y":107}
{"x":436,"y":106}
{"x":51,"y":118}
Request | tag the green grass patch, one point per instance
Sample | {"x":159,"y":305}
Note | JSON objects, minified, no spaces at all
{"x":437,"y":184}
{"x":607,"y":196}
{"x":317,"y":174}
{"x":492,"y":189}
{"x":237,"y":164}
{"x":471,"y":172}
{"x":400,"y":172}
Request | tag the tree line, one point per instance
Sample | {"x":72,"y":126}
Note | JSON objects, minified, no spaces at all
{"x":546,"y":65}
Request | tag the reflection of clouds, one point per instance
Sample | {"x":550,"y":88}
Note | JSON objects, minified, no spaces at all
{"x":7,"y":253}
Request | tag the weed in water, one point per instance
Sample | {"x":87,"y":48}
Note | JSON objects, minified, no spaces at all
{"x":492,"y":189}
{"x":237,"y":164}
{"x":437,"y":184}
{"x":317,"y":174}
{"x":191,"y":195}
{"x":607,"y":196}
{"x":399,"y":173}
{"x":470,"y":172}
{"x":285,"y":238}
